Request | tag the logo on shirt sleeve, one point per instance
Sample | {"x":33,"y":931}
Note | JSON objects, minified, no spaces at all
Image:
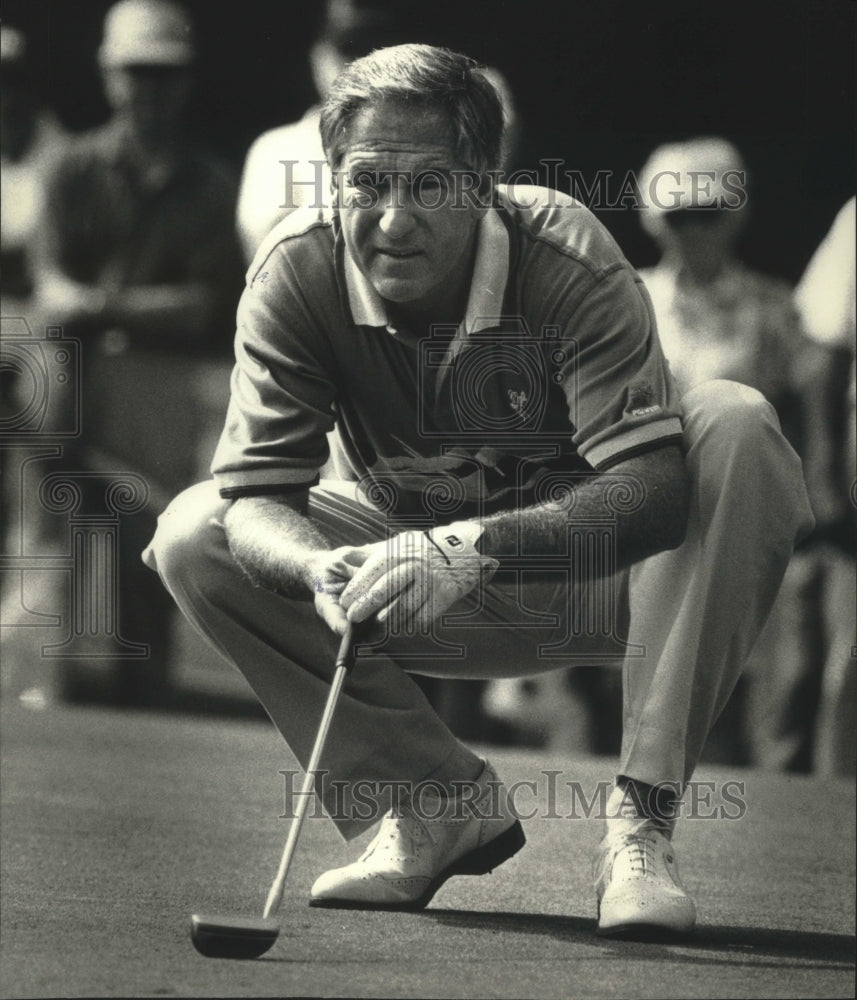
{"x":641,"y":399}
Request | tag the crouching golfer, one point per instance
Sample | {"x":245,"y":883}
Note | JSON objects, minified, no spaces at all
{"x":530,"y":493}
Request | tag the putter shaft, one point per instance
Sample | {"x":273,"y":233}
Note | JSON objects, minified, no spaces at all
{"x":344,"y":662}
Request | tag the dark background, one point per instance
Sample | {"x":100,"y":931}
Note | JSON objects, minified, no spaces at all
{"x":598,"y":85}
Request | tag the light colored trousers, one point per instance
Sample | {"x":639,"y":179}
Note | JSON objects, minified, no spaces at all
{"x":684,"y":621}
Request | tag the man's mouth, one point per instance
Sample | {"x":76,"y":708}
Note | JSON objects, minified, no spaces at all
{"x":397,"y":254}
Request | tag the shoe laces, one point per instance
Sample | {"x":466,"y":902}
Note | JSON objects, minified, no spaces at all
{"x":636,"y":847}
{"x":641,"y":852}
{"x":400,"y":831}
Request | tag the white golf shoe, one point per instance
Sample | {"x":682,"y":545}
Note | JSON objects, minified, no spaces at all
{"x":638,"y":887}
{"x":422,"y":844}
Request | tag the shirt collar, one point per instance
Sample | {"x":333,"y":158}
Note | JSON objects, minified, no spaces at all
{"x":487,"y":287}
{"x":727,"y":278}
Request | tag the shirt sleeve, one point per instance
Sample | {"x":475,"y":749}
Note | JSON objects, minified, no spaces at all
{"x":260,"y":199}
{"x":622,"y":398}
{"x":825,"y":294}
{"x":782,"y":343}
{"x":282,"y":390}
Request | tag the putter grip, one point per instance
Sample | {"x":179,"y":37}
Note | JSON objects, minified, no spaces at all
{"x":345,"y":656}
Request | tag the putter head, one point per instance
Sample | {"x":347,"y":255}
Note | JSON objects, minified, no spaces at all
{"x":233,"y":937}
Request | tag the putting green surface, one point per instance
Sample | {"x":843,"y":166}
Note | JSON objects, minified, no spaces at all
{"x":116,"y":826}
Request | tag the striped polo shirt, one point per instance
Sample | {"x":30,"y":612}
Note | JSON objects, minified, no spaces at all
{"x":556,"y":367}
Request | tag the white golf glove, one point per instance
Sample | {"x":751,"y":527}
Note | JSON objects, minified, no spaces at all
{"x":414,"y":577}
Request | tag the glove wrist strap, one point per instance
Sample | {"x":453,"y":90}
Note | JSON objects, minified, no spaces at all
{"x":460,"y":536}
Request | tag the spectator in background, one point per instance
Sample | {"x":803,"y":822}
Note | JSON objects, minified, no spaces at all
{"x":31,"y":141}
{"x":138,"y":235}
{"x":825,"y":297}
{"x":139,"y":259}
{"x":718,"y":319}
{"x":270,"y":189}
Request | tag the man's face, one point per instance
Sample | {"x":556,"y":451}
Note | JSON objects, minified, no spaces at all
{"x":152,"y":98}
{"x":702,"y":238}
{"x":407,"y":232}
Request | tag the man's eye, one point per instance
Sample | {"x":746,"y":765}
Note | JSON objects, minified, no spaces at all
{"x":367,"y":180}
{"x":430,"y":187}
{"x":362,"y":188}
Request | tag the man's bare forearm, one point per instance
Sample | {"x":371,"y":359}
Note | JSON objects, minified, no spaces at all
{"x":274,"y":543}
{"x":281,"y":549}
{"x":169,"y":312}
{"x":652,"y":498}
{"x":183,"y":309}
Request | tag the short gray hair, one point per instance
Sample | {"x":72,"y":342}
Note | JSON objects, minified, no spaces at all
{"x":426,"y":76}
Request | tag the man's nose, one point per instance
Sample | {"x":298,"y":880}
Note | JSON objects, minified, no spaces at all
{"x":397,"y":213}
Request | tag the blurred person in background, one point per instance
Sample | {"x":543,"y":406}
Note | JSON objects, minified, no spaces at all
{"x":138,"y":258}
{"x":825,"y":297}
{"x":32,"y":139}
{"x":718,"y":319}
{"x":272,"y":189}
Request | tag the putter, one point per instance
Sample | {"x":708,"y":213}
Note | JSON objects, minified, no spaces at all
{"x":247,"y":937}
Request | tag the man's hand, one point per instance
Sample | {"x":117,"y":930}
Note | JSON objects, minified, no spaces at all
{"x":331,"y":571}
{"x":70,"y":301}
{"x":414,"y":577}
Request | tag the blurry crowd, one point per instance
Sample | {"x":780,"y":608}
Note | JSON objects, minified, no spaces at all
{"x":133,"y":242}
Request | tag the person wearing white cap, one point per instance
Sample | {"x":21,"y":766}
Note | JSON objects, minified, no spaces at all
{"x":143,"y":191}
{"x":719,"y":319}
{"x":716,"y":317}
{"x":139,"y":258}
{"x":147,"y":32}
